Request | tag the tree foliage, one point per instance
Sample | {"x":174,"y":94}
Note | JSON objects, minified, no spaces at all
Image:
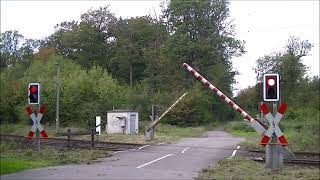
{"x":102,"y":57}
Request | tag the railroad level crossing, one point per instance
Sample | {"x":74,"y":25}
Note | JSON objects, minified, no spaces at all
{"x":274,"y":153}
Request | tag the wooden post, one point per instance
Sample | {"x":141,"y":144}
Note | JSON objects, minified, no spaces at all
{"x":68,"y":137}
{"x":92,"y":137}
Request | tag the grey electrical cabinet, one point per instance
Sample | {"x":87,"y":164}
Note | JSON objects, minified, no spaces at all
{"x":122,"y":121}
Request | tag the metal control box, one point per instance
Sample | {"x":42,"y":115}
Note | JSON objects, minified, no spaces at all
{"x":122,"y":121}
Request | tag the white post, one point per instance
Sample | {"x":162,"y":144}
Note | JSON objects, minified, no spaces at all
{"x":98,"y":124}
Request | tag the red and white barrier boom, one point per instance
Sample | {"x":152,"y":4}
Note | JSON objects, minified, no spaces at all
{"x":36,"y":122}
{"x":256,"y":125}
{"x":274,"y":124}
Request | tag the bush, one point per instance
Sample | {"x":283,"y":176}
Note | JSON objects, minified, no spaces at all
{"x":84,"y":94}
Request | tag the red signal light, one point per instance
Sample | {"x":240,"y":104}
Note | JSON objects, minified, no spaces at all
{"x":33,"y":89}
{"x":271,"y":87}
{"x":34,"y":93}
{"x":271,"y":82}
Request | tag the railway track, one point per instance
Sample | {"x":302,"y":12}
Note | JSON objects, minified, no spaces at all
{"x":305,"y":158}
{"x":64,"y":143}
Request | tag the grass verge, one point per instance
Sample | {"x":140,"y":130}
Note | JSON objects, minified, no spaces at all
{"x":301,"y":129}
{"x":240,"y":168}
{"x":15,"y":157}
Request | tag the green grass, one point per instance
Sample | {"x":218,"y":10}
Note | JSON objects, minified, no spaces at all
{"x":15,"y":157}
{"x":11,"y":165}
{"x":300,"y":126}
{"x":240,"y":168}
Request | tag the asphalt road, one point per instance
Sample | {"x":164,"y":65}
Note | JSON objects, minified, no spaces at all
{"x":182,"y":160}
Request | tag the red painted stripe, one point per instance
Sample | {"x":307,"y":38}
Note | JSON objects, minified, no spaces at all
{"x":215,"y":90}
{"x":223,"y":96}
{"x":193,"y":71}
{"x":42,"y":109}
{"x":239,"y":110}
{"x":185,"y":65}
{"x":44,"y":134}
{"x":30,"y":135}
{"x":283,"y":140}
{"x":264,"y":109}
{"x":29,"y":110}
{"x":248,"y":117}
{"x":265,"y":140}
{"x":199,"y":77}
{"x":207,"y":84}
{"x":283,"y":108}
{"x":231,"y":103}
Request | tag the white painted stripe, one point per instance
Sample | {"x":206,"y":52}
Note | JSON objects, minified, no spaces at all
{"x":33,"y":117}
{"x":189,"y":68}
{"x":211,"y":86}
{"x":219,"y":93}
{"x":144,"y":146}
{"x":258,"y":127}
{"x":39,"y":117}
{"x":160,"y":143}
{"x":184,"y":150}
{"x":204,"y":81}
{"x":234,"y":152}
{"x":40,"y":127}
{"x":196,"y":74}
{"x":235,"y":107}
{"x":154,"y":161}
{"x":227,"y":100}
{"x":118,"y":152}
{"x":278,"y":117}
{"x":278,"y":131}
{"x":244,"y":114}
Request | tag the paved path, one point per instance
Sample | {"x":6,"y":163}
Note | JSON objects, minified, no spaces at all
{"x":182,"y":160}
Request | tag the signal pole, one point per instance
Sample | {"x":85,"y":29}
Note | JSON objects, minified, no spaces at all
{"x":58,"y":97}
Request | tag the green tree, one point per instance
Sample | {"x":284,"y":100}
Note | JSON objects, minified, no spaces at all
{"x":135,"y":48}
{"x":88,"y":42}
{"x":202,"y":37}
{"x":288,"y":65}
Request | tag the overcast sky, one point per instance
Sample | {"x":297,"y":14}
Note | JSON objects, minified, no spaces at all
{"x":264,"y":25}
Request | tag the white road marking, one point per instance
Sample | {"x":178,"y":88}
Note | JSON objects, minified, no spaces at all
{"x":160,"y":143}
{"x":144,"y":146}
{"x":184,"y":150}
{"x":118,"y":152}
{"x":154,"y":161}
{"x":234,"y":152}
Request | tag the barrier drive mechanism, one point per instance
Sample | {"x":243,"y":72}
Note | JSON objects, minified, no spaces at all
{"x":36,"y":122}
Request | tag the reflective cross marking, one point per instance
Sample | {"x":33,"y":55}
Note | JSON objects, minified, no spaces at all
{"x":36,"y":122}
{"x":274,"y":124}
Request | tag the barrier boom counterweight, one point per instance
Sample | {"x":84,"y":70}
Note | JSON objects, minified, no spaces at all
{"x":256,"y":125}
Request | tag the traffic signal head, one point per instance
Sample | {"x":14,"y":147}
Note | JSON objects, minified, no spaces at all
{"x":271,"y":87}
{"x":34,"y":93}
{"x":156,"y":110}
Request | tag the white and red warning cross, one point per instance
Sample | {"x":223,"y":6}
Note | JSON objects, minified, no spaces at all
{"x":36,"y":122}
{"x":274,"y":124}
